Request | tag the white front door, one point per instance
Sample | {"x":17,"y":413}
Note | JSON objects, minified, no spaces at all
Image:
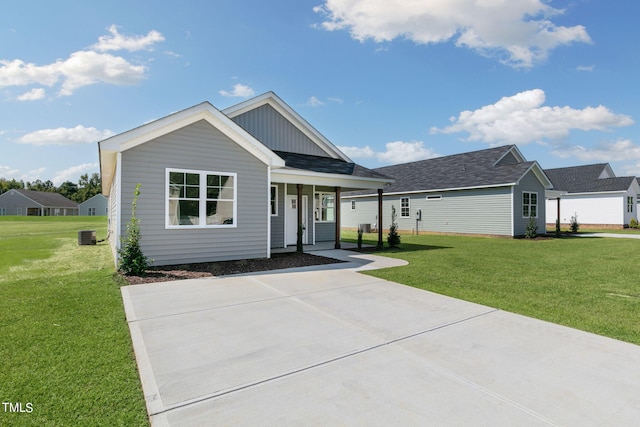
{"x":292,"y":219}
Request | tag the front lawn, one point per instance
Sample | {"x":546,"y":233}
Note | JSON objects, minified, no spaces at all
{"x":66,"y":353}
{"x":586,"y":283}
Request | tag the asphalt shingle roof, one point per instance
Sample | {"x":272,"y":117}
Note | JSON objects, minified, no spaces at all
{"x":586,"y":179}
{"x":484,"y":168}
{"x":326,"y":165}
{"x":47,"y":199}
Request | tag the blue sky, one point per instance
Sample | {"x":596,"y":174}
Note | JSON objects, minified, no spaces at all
{"x":387,"y":81}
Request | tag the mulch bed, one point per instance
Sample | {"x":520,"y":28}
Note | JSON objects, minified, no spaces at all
{"x":223,"y":268}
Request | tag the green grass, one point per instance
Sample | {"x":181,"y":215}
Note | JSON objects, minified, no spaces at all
{"x":585,"y":283}
{"x":64,"y":341}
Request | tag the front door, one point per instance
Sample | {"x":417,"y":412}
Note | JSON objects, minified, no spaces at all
{"x":292,"y":219}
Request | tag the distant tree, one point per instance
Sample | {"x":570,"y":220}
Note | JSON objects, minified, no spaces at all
{"x":68,"y":189}
{"x":39,"y":185}
{"x":87,"y":187}
{"x":6,"y":185}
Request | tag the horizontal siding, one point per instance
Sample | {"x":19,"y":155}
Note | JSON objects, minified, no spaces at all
{"x":198,"y":147}
{"x":481,"y":211}
{"x":528,"y":183}
{"x":277,"y":222}
{"x":273,"y":130}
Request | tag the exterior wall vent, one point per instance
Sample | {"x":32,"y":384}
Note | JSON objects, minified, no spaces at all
{"x":86,"y":237}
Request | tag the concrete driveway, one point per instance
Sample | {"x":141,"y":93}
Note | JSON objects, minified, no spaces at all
{"x":331,"y":346}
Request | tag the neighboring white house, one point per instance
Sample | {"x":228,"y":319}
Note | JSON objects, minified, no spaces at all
{"x":593,"y":194}
{"x":97,"y":205}
{"x":491,"y":192}
{"x":36,"y":203}
{"x":223,"y":185}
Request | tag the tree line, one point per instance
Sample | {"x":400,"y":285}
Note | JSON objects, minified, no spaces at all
{"x":86,"y":188}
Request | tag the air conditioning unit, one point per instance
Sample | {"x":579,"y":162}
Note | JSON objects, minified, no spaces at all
{"x":366,"y":228}
{"x":86,"y":237}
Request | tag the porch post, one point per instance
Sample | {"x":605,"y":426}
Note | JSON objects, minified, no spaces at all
{"x":380,"y":245}
{"x":299,"y":232}
{"x":337,"y":210}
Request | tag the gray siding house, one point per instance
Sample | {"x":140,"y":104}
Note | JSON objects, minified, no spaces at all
{"x":488,"y":192}
{"x":224,"y":185}
{"x":97,"y":205}
{"x":36,"y":203}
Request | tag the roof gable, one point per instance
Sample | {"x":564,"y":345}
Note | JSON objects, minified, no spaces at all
{"x":270,"y":99}
{"x":109,"y":148}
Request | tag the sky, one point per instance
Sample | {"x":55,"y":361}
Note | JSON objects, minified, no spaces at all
{"x":387,"y":81}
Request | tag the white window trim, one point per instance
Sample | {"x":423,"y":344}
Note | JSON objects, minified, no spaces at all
{"x":408,"y":207}
{"x":318,"y":209}
{"x":203,"y":192}
{"x":277,"y":211}
{"x":537,"y":205}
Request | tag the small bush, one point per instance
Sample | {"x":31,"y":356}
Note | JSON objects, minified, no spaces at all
{"x":393,"y":239}
{"x":132,"y":260}
{"x":633,"y":223}
{"x":574,"y":224}
{"x":532,"y":229}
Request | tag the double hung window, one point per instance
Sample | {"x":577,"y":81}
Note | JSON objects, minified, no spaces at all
{"x":405,"y":208}
{"x":325,"y":209}
{"x":201,"y":199}
{"x":529,"y":205}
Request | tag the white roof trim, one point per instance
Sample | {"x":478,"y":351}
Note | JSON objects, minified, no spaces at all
{"x":205,"y":111}
{"x":539,"y":172}
{"x":294,"y":118}
{"x":296,"y":176}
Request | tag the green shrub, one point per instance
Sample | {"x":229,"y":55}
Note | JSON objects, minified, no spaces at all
{"x":532,"y":229}
{"x":393,"y":239}
{"x":633,"y":223}
{"x":132,"y":260}
{"x":574,"y":224}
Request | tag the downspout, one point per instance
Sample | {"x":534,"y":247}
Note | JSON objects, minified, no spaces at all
{"x":269,"y":211}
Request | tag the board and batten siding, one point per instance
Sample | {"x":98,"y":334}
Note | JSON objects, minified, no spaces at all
{"x":476,"y":211}
{"x":529,"y":183}
{"x":200,"y":147}
{"x":279,"y":134}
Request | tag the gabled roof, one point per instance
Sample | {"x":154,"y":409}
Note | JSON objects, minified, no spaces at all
{"x":47,"y":199}
{"x":594,"y":178}
{"x":493,"y":167}
{"x":294,"y":118}
{"x":110,"y":147}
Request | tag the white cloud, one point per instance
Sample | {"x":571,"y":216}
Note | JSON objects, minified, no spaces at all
{"x":32,"y":95}
{"x":73,"y":173}
{"x":86,"y":68}
{"x":82,"y":68}
{"x":395,"y":152}
{"x":518,"y":32}
{"x":8,"y":172}
{"x":65,"y":136}
{"x":585,"y":67}
{"x":117,"y":41}
{"x":613,"y":151}
{"x":522,"y":118}
{"x":314,"y":102}
{"x":239,"y":90}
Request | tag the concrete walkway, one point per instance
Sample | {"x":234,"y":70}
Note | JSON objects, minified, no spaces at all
{"x":614,"y":235}
{"x":334,"y":347}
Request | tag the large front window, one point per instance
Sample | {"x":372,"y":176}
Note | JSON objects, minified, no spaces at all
{"x":325,"y":209}
{"x":529,"y":205}
{"x":200,"y":198}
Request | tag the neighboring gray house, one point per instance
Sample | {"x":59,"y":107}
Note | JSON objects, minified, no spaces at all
{"x":223,"y":185}
{"x":95,"y":206}
{"x":594,"y":194}
{"x":489,"y":192}
{"x":36,"y":203}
